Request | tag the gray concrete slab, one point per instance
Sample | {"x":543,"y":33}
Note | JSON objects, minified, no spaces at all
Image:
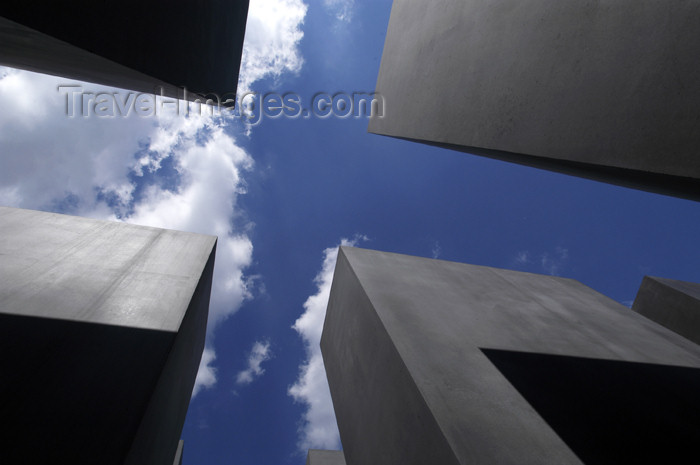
{"x":129,"y":44}
{"x":325,"y":457}
{"x":102,"y":327}
{"x":422,"y":360}
{"x":602,"y":89}
{"x":671,"y":303}
{"x":66,"y":267}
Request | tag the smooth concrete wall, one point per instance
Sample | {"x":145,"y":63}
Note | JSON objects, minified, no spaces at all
{"x":102,"y":328}
{"x":424,"y":361}
{"x":671,"y":303}
{"x":325,"y":457}
{"x":129,"y":44}
{"x":604,"y":89}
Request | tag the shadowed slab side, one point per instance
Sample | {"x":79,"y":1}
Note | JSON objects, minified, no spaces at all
{"x":129,"y":44}
{"x":671,"y":303}
{"x":609,"y":411}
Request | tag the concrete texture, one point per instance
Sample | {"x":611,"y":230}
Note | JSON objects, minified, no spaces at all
{"x":325,"y":457}
{"x":102,"y":328}
{"x":673,"y":304}
{"x":425,"y":361}
{"x":607,"y":90}
{"x":129,"y":44}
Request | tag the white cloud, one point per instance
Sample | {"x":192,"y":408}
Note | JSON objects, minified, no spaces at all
{"x":319,"y":429}
{"x":47,"y":156}
{"x":343,"y":10}
{"x":258,"y":354}
{"x":271,"y":45}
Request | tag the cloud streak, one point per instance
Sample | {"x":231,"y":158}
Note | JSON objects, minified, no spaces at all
{"x":343,"y":10}
{"x":551,"y":262}
{"x":258,"y":354}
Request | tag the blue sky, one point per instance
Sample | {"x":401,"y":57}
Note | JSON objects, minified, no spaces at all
{"x":281,"y":195}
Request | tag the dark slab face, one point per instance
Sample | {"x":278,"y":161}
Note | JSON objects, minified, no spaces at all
{"x":606,"y":90}
{"x":69,"y":390}
{"x":609,"y":411}
{"x":431,"y":361}
{"x":102,"y":328}
{"x":196,"y":45}
{"x":671,"y":303}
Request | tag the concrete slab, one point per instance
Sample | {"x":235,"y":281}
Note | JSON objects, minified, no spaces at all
{"x":671,"y":303}
{"x":422,"y":360}
{"x":325,"y":457}
{"x":129,"y":44}
{"x":102,"y":328}
{"x":601,"y":89}
{"x":72,"y":268}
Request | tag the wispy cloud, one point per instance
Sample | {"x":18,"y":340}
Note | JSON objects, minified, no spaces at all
{"x":551,"y":262}
{"x":258,"y":354}
{"x":522,"y":257}
{"x":562,"y":252}
{"x":343,"y":10}
{"x":319,"y":428}
{"x":437,"y":250}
